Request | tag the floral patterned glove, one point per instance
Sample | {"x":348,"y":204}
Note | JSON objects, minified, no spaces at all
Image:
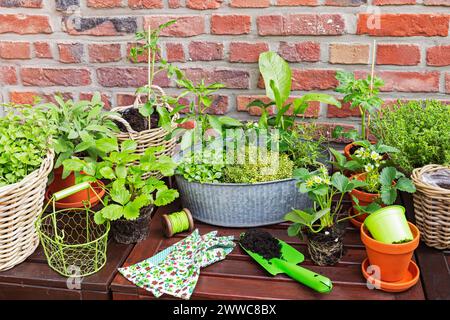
{"x":175,"y":270}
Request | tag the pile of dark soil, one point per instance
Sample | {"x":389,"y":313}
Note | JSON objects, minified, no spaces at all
{"x":262,"y":243}
{"x":137,"y":122}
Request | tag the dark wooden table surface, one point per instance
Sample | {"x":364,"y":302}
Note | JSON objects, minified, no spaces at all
{"x":33,"y":279}
{"x":239,"y":277}
{"x":434,"y":264}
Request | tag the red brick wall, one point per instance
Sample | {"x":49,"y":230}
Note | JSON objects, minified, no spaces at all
{"x":43,"y":51}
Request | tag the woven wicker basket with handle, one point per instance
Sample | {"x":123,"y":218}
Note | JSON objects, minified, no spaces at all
{"x":20,"y":205}
{"x":432,"y":209}
{"x":153,"y":137}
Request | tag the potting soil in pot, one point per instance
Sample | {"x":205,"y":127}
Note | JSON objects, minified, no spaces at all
{"x":132,"y":231}
{"x":262,"y":243}
{"x":326,"y":247}
{"x":136,"y":120}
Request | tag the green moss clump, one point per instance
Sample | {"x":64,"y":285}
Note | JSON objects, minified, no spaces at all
{"x":265,"y":167}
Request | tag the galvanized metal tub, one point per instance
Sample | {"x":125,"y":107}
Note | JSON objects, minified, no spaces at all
{"x":241,"y":204}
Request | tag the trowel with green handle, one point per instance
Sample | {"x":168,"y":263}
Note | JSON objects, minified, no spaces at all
{"x":287,"y":264}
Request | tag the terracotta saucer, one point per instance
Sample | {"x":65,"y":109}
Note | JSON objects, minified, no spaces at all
{"x":411,"y":278}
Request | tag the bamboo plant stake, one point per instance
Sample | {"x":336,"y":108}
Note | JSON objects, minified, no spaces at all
{"x":374,"y":53}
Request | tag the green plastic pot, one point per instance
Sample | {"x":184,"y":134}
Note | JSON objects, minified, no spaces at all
{"x":389,"y":225}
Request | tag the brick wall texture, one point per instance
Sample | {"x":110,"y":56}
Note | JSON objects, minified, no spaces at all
{"x":76,"y":47}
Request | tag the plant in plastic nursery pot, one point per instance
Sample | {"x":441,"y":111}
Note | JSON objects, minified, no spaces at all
{"x":390,"y":241}
{"x":83,"y":129}
{"x":362,"y":94}
{"x":323,"y":223}
{"x":130,"y":199}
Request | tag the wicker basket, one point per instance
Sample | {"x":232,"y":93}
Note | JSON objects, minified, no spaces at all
{"x":152,"y":137}
{"x":20,"y":205}
{"x":432,"y":209}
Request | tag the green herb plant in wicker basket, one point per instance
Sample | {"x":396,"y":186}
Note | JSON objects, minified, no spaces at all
{"x":26,"y":159}
{"x":130,"y":199}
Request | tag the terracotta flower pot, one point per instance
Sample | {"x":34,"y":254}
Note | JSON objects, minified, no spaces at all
{"x":392,"y":259}
{"x":347,"y":149}
{"x":77,"y":199}
{"x":365,"y":198}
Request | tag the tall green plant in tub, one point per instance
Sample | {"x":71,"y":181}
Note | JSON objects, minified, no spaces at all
{"x":277,"y":77}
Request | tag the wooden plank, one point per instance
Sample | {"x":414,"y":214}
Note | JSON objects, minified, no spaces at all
{"x":101,"y":281}
{"x":14,"y":292}
{"x":435,"y":272}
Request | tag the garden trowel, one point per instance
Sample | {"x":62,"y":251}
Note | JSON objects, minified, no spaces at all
{"x":287,"y":264}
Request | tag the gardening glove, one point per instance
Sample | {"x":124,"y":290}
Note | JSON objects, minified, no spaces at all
{"x":175,"y":270}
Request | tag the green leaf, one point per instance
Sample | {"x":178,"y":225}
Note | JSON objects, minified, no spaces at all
{"x":107,"y":173}
{"x":388,"y":194}
{"x":131,"y":211}
{"x":299,"y":106}
{"x":299,"y":216}
{"x":164,"y":197}
{"x":276,"y":69}
{"x":121,"y":196}
{"x":164,"y":118}
{"x":107,"y":145}
{"x":262,"y":122}
{"x":405,"y":184}
{"x":215,"y":122}
{"x":230,"y":122}
{"x":187,"y":139}
{"x":340,"y":182}
{"x":112,"y":212}
{"x":121,"y":171}
{"x":319,"y":214}
{"x":321,"y":97}
{"x":128,"y":146}
{"x":166,"y":166}
{"x":75,"y":165}
{"x":98,"y":218}
{"x":294,"y":229}
{"x":387,"y":176}
{"x":82,"y":146}
{"x":147,"y":109}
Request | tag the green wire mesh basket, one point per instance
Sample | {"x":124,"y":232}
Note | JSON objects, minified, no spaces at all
{"x":74,"y":245}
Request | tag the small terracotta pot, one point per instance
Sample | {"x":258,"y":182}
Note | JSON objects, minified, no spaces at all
{"x":347,"y":151}
{"x":75,"y":200}
{"x":392,"y":259}
{"x":365,"y":198}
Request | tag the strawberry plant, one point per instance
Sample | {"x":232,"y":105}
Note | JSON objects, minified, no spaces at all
{"x":127,"y":192}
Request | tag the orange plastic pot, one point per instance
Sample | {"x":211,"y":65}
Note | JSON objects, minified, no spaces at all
{"x":76,"y":200}
{"x":392,"y":259}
